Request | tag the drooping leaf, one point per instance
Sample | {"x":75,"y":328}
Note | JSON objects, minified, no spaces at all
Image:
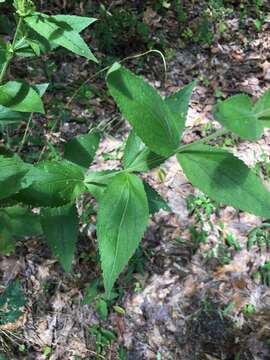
{"x":82,"y":149}
{"x":9,"y":116}
{"x":17,"y":222}
{"x":178,"y":104}
{"x":121,"y":221}
{"x":12,"y":175}
{"x":155,"y":201}
{"x":262,"y":108}
{"x":237,"y":115}
{"x":61,"y":228}
{"x":139,"y":157}
{"x":61,"y":33}
{"x":52,"y":183}
{"x":19,"y":96}
{"x":225,"y":178}
{"x":144,"y":108}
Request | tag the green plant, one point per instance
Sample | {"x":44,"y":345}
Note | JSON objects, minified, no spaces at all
{"x":11,"y":303}
{"x":125,"y":201}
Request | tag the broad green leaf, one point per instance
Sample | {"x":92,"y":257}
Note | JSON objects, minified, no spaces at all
{"x":52,"y":183}
{"x":82,"y":149}
{"x":8,"y":116}
{"x":225,"y":178}
{"x":96,"y":182}
{"x":77,"y":23}
{"x":138,"y":157}
{"x":60,"y":33}
{"x":144,"y":108}
{"x":121,"y":222}
{"x":178,"y":104}
{"x":12,"y":175}
{"x":155,"y":201}
{"x":15,"y":223}
{"x":61,"y":228}
{"x":262,"y":108}
{"x":19,"y":96}
{"x":237,"y":115}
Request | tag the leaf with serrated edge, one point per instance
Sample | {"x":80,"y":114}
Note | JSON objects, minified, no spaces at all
{"x":178,"y":104}
{"x":138,"y":157}
{"x":61,"y":229}
{"x":144,"y":109}
{"x":121,"y":222}
{"x":155,"y":201}
{"x":237,"y":115}
{"x":82,"y":149}
{"x":52,"y":183}
{"x":225,"y":178}
{"x":61,"y":33}
{"x":12,"y":175}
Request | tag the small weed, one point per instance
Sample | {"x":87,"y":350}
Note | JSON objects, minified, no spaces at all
{"x":103,"y":337}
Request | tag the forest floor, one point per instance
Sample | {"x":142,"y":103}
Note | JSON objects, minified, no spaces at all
{"x":194,"y":290}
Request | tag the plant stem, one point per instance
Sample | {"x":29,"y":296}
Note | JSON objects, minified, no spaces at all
{"x":11,"y":54}
{"x":213,"y":136}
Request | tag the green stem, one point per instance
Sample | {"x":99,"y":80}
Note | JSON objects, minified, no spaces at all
{"x":213,"y":136}
{"x":14,"y":41}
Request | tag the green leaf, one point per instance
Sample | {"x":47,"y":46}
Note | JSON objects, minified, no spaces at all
{"x":8,"y":116}
{"x":178,"y":104}
{"x":225,"y":178}
{"x":11,"y":302}
{"x":139,"y":157}
{"x":82,"y":149}
{"x":262,"y":108}
{"x":155,"y":201}
{"x":61,"y":228}
{"x":96,"y":182}
{"x":19,"y":96}
{"x":60,"y":33}
{"x":12,"y":175}
{"x":15,"y":223}
{"x":52,"y":183}
{"x":121,"y":222}
{"x":237,"y":115}
{"x":77,"y":23}
{"x":102,"y":309}
{"x":146,"y":111}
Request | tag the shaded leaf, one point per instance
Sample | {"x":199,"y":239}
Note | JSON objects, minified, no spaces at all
{"x":121,"y":221}
{"x":82,"y":149}
{"x":12,"y":175}
{"x":8,"y":116}
{"x":139,"y":157}
{"x":178,"y":104}
{"x":60,"y":33}
{"x":19,"y":96}
{"x":61,"y":228}
{"x":225,"y":178}
{"x":52,"y":183}
{"x":144,"y":108}
{"x":236,"y":114}
{"x":155,"y":201}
